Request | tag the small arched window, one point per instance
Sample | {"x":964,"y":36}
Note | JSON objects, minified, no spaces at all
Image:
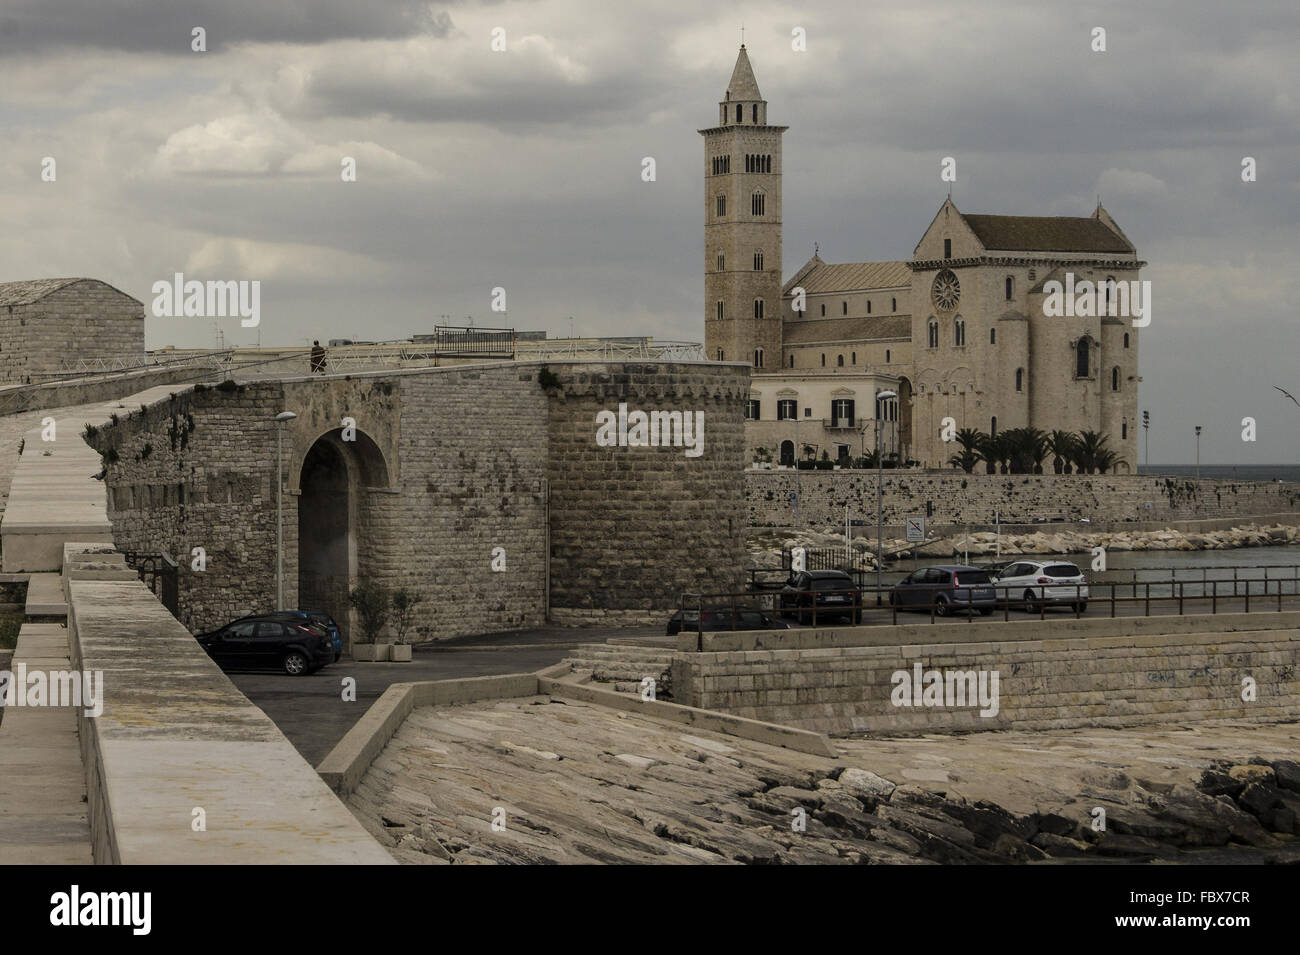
{"x":893,"y":304}
{"x":934,"y":334}
{"x":1114,"y":378}
{"x":721,"y":355}
{"x":1009,"y":286}
{"x":844,"y":308}
{"x":993,"y":426}
{"x":959,"y":332}
{"x":758,"y":358}
{"x":993,"y":336}
{"x":758,"y":261}
{"x":1126,"y":339}
{"x":740,"y":113}
{"x":792,"y":361}
{"x":1082,"y":364}
{"x":886,"y":356}
{"x":839,"y":361}
{"x":719,"y":307}
{"x":868,"y":306}
{"x":758,"y":204}
{"x":1020,"y":379}
{"x":823,"y":359}
{"x":853,"y":359}
{"x":758,"y":308}
{"x":722,"y":261}
{"x":753,"y":113}
{"x":1109,"y":285}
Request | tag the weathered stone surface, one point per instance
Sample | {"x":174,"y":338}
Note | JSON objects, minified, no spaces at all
{"x":1215,"y":821}
{"x":1129,"y":821}
{"x":1063,"y":846}
{"x":1252,"y":774}
{"x":866,"y":783}
{"x":1117,"y":844}
{"x":1288,"y":774}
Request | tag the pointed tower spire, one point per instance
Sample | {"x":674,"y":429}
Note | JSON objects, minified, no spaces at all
{"x":743,"y":86}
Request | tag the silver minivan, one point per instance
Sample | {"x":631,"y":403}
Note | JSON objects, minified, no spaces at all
{"x":1034,"y":584}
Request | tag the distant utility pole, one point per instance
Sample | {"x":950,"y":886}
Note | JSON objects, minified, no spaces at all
{"x":1198,"y":452}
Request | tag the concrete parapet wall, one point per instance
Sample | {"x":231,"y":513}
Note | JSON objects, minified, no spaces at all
{"x":1065,"y":678}
{"x":175,"y":735}
{"x":92,"y":388}
{"x":957,"y":498}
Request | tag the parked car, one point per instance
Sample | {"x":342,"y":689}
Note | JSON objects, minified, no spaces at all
{"x":318,"y":617}
{"x":949,"y":587}
{"x":270,"y":640}
{"x":720,"y":618}
{"x":1036,"y":584}
{"x":831,"y":593}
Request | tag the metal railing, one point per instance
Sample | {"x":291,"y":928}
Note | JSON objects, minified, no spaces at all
{"x":871,"y":605}
{"x":160,"y":573}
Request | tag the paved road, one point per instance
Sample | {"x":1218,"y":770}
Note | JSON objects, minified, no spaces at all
{"x":310,"y":709}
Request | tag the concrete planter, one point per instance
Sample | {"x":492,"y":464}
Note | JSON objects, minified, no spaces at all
{"x":370,"y":652}
{"x":400,"y":653}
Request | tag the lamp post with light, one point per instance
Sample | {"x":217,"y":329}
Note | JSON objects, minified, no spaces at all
{"x":283,"y":418}
{"x":880,"y":491}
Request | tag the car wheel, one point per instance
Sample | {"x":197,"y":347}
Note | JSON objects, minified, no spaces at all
{"x":941,"y":606}
{"x":295,"y":664}
{"x":1082,"y":606}
{"x":1031,"y":602}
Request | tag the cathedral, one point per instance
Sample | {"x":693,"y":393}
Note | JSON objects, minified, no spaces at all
{"x":847,"y":355}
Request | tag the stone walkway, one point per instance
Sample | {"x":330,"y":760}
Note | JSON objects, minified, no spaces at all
{"x":43,"y":817}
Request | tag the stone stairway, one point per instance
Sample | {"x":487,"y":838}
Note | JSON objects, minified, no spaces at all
{"x":624,"y":666}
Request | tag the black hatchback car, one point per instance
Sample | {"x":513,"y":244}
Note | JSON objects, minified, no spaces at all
{"x":714,"y":619}
{"x":269,"y":641}
{"x":947,"y":587}
{"x":831,"y":593}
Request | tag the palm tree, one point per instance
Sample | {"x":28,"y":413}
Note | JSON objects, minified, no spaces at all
{"x":1061,"y":445}
{"x":969,"y":439}
{"x":1024,"y":449}
{"x":1092,"y":452}
{"x":993,"y":448}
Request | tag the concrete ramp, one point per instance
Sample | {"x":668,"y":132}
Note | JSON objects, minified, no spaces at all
{"x":54,"y":497}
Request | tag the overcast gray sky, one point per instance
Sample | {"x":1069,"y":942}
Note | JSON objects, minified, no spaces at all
{"x":522,"y":169}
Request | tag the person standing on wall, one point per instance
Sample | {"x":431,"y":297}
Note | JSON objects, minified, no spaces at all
{"x":317,"y":358}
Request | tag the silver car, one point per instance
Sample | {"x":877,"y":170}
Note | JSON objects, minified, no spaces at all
{"x":1035,"y":584}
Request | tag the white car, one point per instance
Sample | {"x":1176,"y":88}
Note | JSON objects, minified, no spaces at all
{"x":1036,"y":583}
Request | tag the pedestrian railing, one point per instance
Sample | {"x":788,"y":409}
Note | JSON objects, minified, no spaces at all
{"x":871,"y":604}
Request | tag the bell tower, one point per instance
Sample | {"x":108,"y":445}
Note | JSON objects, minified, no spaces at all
{"x":742,"y":227}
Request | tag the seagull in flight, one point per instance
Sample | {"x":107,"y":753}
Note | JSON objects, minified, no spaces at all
{"x":1289,"y":395}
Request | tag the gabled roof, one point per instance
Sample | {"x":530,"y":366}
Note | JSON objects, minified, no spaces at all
{"x":851,"y":277}
{"x":846,"y":330}
{"x":743,"y":86}
{"x":1046,"y":234}
{"x":33,"y":290}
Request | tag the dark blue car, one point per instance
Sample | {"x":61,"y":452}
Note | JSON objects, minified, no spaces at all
{"x":318,"y":617}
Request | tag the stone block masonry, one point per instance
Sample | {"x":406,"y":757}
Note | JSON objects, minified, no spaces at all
{"x":957,"y":497}
{"x":1122,"y":680}
{"x":473,"y":485}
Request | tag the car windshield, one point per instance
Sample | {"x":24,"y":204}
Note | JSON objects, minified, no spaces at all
{"x":830,"y":583}
{"x":972,"y":577}
{"x":1061,"y":570}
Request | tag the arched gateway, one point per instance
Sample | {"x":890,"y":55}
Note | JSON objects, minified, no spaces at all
{"x":332,"y":545}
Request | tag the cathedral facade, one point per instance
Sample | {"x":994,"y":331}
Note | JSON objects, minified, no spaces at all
{"x":967,"y":333}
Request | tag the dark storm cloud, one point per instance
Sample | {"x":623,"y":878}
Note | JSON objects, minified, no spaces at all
{"x":164,"y":26}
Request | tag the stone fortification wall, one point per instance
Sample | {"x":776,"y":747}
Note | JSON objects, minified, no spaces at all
{"x":956,"y":498}
{"x":1064,"y":677}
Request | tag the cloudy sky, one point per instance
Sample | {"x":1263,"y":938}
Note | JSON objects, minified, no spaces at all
{"x":522,"y":168}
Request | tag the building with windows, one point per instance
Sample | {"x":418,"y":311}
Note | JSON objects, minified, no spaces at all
{"x":963,"y":330}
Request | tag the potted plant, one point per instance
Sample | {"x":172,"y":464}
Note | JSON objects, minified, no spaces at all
{"x":372,"y":604}
{"x":403,"y":604}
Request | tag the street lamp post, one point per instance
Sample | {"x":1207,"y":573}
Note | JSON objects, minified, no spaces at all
{"x":1198,"y":452}
{"x":880,"y":492}
{"x":280,"y":421}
